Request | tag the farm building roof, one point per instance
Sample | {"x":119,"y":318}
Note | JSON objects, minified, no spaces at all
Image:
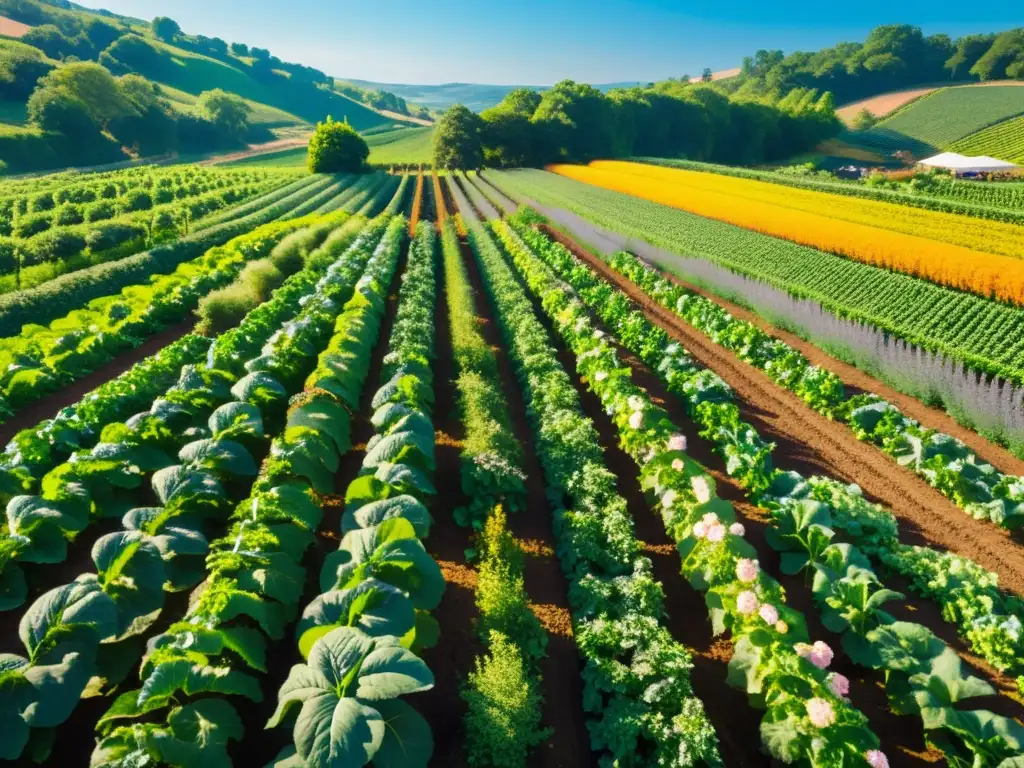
{"x":964,"y":164}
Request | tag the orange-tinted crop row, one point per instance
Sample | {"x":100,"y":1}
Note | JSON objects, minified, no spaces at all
{"x":817,"y":223}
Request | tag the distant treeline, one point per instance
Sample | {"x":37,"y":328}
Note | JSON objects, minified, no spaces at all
{"x":892,"y":57}
{"x":576,"y":122}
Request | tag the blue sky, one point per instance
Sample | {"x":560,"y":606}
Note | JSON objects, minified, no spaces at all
{"x":539,"y":42}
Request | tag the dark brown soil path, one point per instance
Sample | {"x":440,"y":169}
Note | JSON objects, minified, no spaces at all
{"x":451,"y":660}
{"x":812,"y":445}
{"x":47,"y":407}
{"x":569,"y":744}
{"x":417,"y":205}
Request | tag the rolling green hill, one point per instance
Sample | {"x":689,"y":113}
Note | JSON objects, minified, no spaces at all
{"x":1003,"y":140}
{"x":942,"y":119}
{"x":402,"y":146}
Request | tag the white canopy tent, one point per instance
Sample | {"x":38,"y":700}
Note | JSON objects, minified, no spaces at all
{"x":951,"y":161}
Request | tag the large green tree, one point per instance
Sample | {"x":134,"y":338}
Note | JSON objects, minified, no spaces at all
{"x":576,"y":121}
{"x":89,"y":83}
{"x":166,"y":29}
{"x":458,"y":139}
{"x":337,"y":148}
{"x":227,"y":111}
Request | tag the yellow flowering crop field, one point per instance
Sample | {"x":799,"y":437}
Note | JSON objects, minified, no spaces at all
{"x":981,"y":256}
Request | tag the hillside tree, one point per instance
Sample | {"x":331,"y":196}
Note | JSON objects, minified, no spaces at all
{"x":458,"y":139}
{"x":227,"y":111}
{"x":337,"y":148}
{"x":165,"y":28}
{"x":91,"y":84}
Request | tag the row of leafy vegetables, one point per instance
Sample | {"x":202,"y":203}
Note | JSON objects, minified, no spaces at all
{"x":360,"y":637}
{"x":969,"y":595}
{"x":199,"y":445}
{"x":823,"y":529}
{"x":42,"y":358}
{"x":943,"y":461}
{"x":639,"y":703}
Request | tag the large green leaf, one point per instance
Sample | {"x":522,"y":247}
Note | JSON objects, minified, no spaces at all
{"x":377,"y":512}
{"x":409,"y":742}
{"x":235,"y":418}
{"x":80,"y":604}
{"x":58,"y":687}
{"x":199,"y":734}
{"x":180,"y":483}
{"x":405,"y":447}
{"x":16,"y":695}
{"x":26,"y":513}
{"x":327,"y":417}
{"x":375,"y":607}
{"x":221,"y":456}
{"x":389,"y":552}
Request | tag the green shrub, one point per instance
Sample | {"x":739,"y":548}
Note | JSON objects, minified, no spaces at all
{"x":138,"y":201}
{"x":500,"y":593}
{"x":261,"y":278}
{"x":57,"y":245}
{"x":222,"y":310}
{"x":101,"y":210}
{"x":337,"y":148}
{"x":42,"y":202}
{"x":105,"y":236}
{"x":33,"y":224}
{"x":68,"y":214}
{"x":503,"y":708}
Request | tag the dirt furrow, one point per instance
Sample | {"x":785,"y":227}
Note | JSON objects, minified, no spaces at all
{"x":545,"y":583}
{"x":451,"y":660}
{"x":812,"y":444}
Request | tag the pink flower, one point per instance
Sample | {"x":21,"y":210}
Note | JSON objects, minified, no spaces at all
{"x":821,"y":655}
{"x":876,"y":758}
{"x":747,"y":570}
{"x":820,"y":713}
{"x":700,"y":530}
{"x":839,"y":684}
{"x":601,"y":375}
{"x":636,"y":419}
{"x":669,"y":498}
{"x":769,"y":613}
{"x":716,"y":532}
{"x":701,"y":488}
{"x":710,"y":518}
{"x":737,"y":529}
{"x":677,"y":465}
{"x":781,"y":627}
{"x":746,"y":602}
{"x":677,"y":443}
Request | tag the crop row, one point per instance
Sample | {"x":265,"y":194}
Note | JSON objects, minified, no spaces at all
{"x":502,"y":694}
{"x":963,"y":327}
{"x":1003,"y":140}
{"x":769,"y":664}
{"x":43,"y":359}
{"x":941,"y":248}
{"x":849,"y":594}
{"x":200,"y":440}
{"x":254,"y":580}
{"x":1000,"y":202}
{"x":52,"y":299}
{"x":944,"y":462}
{"x":809,"y":206}
{"x":360,"y":637}
{"x":639,"y":704}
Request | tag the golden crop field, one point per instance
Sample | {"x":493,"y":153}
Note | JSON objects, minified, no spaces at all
{"x":951,"y":250}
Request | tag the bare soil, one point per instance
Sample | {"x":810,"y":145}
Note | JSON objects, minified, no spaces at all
{"x":812,"y":444}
